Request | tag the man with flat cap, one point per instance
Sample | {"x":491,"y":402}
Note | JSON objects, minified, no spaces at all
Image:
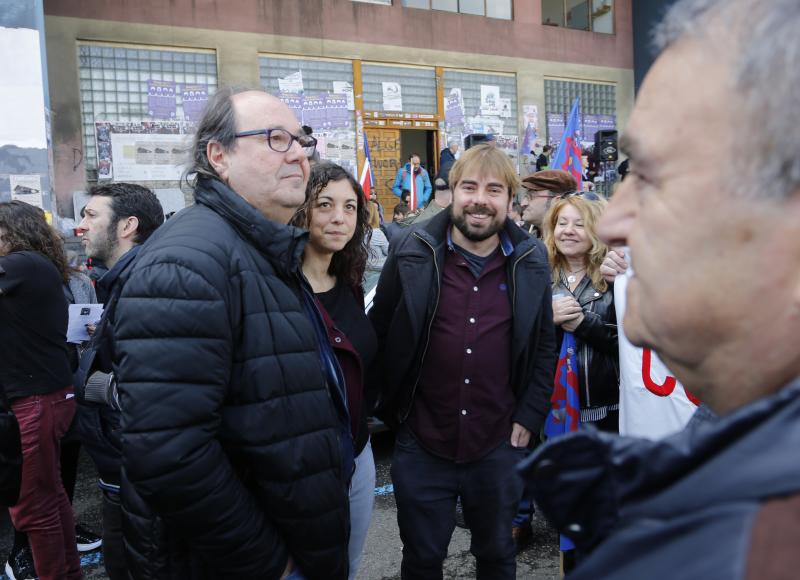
{"x":538,"y":191}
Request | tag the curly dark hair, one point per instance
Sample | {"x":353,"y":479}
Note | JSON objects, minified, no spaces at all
{"x":349,"y":263}
{"x":26,"y":229}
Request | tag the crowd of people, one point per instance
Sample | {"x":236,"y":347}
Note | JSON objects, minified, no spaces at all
{"x":224,"y":394}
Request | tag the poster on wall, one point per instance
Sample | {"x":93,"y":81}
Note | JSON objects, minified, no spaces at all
{"x":345,"y":88}
{"x":392,"y":97}
{"x":490,"y":100}
{"x":488,"y":125}
{"x":295,"y":102}
{"x":161,"y":102}
{"x":143,"y":151}
{"x":194,"y":98}
{"x":292,"y":83}
{"x":336,"y":113}
{"x":556,"y":122}
{"x":27,"y":188}
{"x":454,"y":108}
{"x":505,"y":108}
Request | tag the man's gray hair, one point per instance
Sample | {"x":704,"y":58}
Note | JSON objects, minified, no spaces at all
{"x":217,"y":124}
{"x":451,"y":142}
{"x":761,"y":37}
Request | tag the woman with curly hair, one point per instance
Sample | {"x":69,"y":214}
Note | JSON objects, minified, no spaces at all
{"x":335,"y":214}
{"x":583,"y":303}
{"x":36,"y":378}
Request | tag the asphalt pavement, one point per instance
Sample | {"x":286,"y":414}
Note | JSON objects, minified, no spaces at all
{"x":382,"y":552}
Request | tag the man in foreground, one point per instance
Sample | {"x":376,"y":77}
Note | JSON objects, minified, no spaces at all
{"x":716,"y":292}
{"x":235,"y":429}
{"x":466,"y":343}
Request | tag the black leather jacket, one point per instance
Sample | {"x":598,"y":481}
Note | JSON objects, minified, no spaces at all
{"x":596,"y":339}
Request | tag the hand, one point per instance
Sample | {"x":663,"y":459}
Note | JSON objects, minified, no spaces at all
{"x":90,"y":328}
{"x":566,"y":309}
{"x":289,"y":568}
{"x":520,"y":436}
{"x":613,"y":265}
{"x":572,"y":325}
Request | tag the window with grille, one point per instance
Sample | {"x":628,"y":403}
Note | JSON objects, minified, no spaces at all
{"x":597,"y":105}
{"x":114,"y":84}
{"x":417,"y":87}
{"x":590,"y":15}
{"x":492,"y":8}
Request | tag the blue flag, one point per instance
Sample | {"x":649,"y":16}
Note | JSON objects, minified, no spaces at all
{"x":565,"y":412}
{"x":568,"y":154}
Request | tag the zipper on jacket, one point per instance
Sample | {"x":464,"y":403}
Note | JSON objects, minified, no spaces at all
{"x":430,"y":325}
{"x":586,"y":364}
{"x":514,"y":281}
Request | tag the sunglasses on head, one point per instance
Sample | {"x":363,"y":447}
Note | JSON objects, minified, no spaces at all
{"x":589,"y":195}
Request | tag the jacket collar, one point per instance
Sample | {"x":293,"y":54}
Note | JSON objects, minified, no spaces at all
{"x":282,"y":244}
{"x":107,"y":281}
{"x":436,"y":231}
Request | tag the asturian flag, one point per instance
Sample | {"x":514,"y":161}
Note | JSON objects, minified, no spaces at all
{"x":367,"y":179}
{"x":565,"y":414}
{"x":568,"y":155}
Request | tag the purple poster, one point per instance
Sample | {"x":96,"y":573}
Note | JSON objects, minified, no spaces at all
{"x":336,"y":112}
{"x":194,"y":101}
{"x":295,"y":102}
{"x":590,"y":127}
{"x":161,"y":99}
{"x":453,"y":112}
{"x":314,"y":113}
{"x":606,"y":122}
{"x":556,"y":123}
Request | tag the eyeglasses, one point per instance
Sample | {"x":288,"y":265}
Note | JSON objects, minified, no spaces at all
{"x":280,"y":140}
{"x":590,"y":195}
{"x":531,"y":194}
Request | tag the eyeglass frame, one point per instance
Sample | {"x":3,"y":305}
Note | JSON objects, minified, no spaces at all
{"x":532,"y":194}
{"x":292,"y":138}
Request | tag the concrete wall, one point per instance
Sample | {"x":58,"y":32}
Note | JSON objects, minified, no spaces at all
{"x":237,"y":51}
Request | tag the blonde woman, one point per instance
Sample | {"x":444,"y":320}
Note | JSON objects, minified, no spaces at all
{"x":583,"y":303}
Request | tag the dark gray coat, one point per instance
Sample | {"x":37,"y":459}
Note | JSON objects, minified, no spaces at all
{"x":682,"y":507}
{"x":229,"y":432}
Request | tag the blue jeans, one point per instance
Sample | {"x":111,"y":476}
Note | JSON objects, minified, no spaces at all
{"x":426,"y":489}
{"x":362,"y":498}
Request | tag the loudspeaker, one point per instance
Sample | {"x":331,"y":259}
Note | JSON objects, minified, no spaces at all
{"x":605,"y":146}
{"x":474,"y":139}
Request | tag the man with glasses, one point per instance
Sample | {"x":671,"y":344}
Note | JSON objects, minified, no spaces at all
{"x":538,"y":191}
{"x":235,"y":429}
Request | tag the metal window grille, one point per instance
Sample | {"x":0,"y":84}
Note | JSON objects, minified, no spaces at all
{"x":417,"y":87}
{"x":113,"y":84}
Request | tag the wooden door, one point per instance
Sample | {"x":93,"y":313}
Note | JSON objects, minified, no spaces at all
{"x":384,"y":149}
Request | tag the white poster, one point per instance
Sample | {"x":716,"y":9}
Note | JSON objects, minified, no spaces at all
{"x":292,"y":83}
{"x":490,"y":100}
{"x":22,"y":117}
{"x":652,"y":403}
{"x":27,"y":188}
{"x":392,"y":97}
{"x":345,"y":88}
{"x":530,"y":115}
{"x":505,"y":108}
{"x":488,"y":125}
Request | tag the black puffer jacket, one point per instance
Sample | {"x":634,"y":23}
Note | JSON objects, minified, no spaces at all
{"x":596,"y":339}
{"x":229,"y":432}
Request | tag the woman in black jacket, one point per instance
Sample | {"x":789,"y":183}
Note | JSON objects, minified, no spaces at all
{"x":336,"y":215}
{"x":583,"y":303}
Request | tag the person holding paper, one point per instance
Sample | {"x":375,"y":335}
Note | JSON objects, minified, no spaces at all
{"x":118,"y":218}
{"x":36,"y":378}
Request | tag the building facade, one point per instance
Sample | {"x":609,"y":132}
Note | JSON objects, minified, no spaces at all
{"x":128,"y":79}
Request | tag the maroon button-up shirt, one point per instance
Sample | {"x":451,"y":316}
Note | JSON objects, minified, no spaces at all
{"x":464,"y":401}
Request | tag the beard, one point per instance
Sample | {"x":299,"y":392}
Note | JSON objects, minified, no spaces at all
{"x":472,"y":233}
{"x":103,"y":246}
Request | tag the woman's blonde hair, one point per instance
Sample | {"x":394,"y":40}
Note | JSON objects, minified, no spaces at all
{"x":374,"y":215}
{"x":590,"y":213}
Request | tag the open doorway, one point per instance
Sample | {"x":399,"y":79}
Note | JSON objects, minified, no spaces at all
{"x":423,"y":143}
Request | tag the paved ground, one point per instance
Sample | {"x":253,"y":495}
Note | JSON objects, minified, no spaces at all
{"x":383,"y":548}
